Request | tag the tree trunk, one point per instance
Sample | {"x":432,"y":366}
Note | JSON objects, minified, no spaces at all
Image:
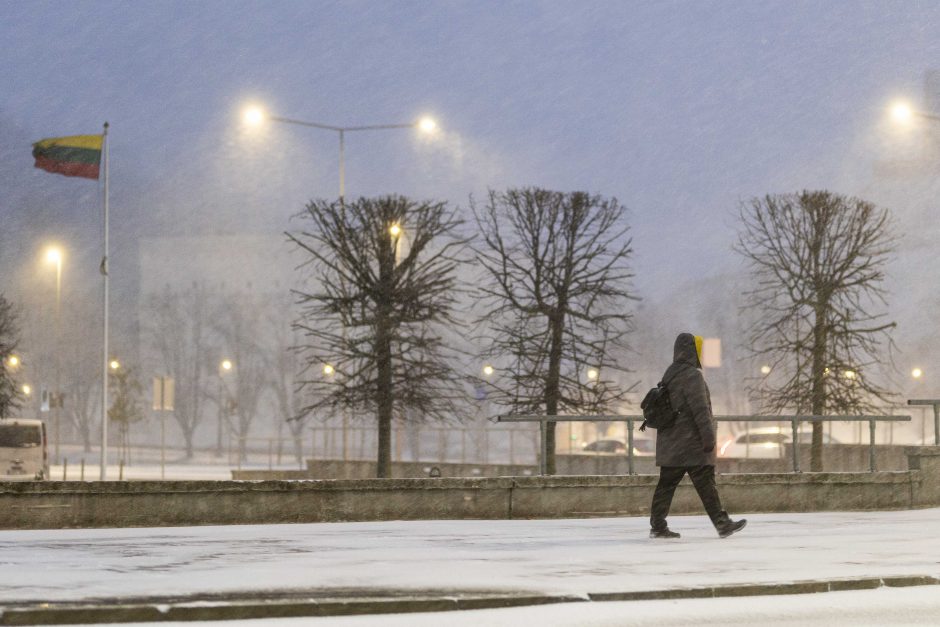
{"x":384,"y":406}
{"x":552,"y":389}
{"x":188,"y":439}
{"x":819,"y":386}
{"x":383,"y":356}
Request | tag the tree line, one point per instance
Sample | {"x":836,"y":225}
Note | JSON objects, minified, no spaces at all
{"x":395,"y":297}
{"x":549,"y":281}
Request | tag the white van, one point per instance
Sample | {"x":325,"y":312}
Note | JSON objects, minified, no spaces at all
{"x":24,"y":455}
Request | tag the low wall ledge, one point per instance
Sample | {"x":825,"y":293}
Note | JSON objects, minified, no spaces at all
{"x":922,"y":451}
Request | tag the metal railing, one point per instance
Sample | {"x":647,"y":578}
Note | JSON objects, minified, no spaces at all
{"x":936,"y":414}
{"x":630,"y":419}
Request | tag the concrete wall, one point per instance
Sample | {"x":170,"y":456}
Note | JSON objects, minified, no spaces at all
{"x":837,"y":458}
{"x":42,"y":505}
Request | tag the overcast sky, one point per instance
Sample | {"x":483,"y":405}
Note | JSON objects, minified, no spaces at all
{"x":679,"y":109}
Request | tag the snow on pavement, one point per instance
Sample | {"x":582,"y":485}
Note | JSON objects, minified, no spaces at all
{"x":559,"y":556}
{"x":869,"y":608}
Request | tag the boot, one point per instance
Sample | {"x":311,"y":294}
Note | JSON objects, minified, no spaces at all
{"x":663,"y":533}
{"x":728,"y":527}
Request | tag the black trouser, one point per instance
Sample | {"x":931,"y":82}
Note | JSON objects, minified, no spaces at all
{"x":703,"y":478}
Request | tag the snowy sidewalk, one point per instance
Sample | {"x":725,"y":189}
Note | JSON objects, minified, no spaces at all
{"x":576,"y":557}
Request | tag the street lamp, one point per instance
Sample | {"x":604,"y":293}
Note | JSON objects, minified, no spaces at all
{"x":917,"y":373}
{"x":225,"y":366}
{"x":54,"y":255}
{"x":328,"y":370}
{"x":27,"y":389}
{"x":903,"y":113}
{"x":13,"y":362}
{"x":592,"y":374}
{"x":488,"y":370}
{"x":255,"y":116}
{"x":114,"y":365}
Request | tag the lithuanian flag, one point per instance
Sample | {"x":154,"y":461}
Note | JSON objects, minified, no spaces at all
{"x":77,"y":155}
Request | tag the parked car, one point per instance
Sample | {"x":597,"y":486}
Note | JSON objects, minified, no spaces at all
{"x":24,"y":455}
{"x":765,"y":443}
{"x":642,"y":447}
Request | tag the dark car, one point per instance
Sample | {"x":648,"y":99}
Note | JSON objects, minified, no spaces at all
{"x":641,"y":446}
{"x":605,"y":446}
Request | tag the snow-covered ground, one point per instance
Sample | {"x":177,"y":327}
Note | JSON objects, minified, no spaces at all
{"x":870,"y":608}
{"x":567,"y":556}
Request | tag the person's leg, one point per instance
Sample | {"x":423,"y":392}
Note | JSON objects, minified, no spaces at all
{"x":669,"y":478}
{"x":703,"y":478}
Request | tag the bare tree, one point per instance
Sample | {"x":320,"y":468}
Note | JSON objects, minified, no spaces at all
{"x":83,"y":390}
{"x":125,"y":408}
{"x":238,"y":323}
{"x":557,"y":291}
{"x":180,"y":334}
{"x":10,"y":398}
{"x":285,"y":366}
{"x":385,"y":269}
{"x":817,"y":261}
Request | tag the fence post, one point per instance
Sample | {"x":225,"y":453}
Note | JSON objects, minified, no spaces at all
{"x":936,"y":424}
{"x":871,"y":445}
{"x":83,"y":469}
{"x":65,"y":466}
{"x":543,"y":463}
{"x":512,"y":447}
{"x":629,"y":425}
{"x":795,"y":426}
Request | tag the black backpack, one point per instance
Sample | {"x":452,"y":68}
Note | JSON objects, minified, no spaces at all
{"x":657,"y":408}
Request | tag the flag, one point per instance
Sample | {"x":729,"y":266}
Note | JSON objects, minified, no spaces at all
{"x":77,"y":155}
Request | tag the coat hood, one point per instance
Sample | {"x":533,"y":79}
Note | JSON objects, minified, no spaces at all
{"x":688,"y":350}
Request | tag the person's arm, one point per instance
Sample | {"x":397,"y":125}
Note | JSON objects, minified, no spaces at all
{"x":701,"y":408}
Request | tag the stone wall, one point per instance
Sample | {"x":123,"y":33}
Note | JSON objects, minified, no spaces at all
{"x":53,"y":504}
{"x":837,"y":458}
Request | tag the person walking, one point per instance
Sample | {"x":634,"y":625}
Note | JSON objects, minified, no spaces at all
{"x":688,"y":445}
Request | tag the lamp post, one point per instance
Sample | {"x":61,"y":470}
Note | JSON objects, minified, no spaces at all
{"x":225,"y":366}
{"x":254,"y":116}
{"x":54,"y":256}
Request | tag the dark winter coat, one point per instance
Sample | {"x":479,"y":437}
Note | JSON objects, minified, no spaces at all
{"x":690,"y":441}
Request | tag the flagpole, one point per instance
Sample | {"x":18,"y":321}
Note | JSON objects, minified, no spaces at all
{"x":104,"y":271}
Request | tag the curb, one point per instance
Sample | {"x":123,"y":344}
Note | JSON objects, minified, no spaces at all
{"x":306,"y":603}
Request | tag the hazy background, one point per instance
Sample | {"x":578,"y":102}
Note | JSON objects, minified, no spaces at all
{"x":679,"y":109}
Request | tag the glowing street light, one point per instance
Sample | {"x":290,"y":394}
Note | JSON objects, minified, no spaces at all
{"x":592,"y":374}
{"x":254,"y":115}
{"x":488,"y":370}
{"x":114,"y":364}
{"x":27,"y":389}
{"x":13,"y":362}
{"x":427,"y":125}
{"x":917,"y":373}
{"x":328,"y":370}
{"x":394,"y":230}
{"x":226,"y":365}
{"x":765,"y":370}
{"x":902,"y":112}
{"x":849,"y":374}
